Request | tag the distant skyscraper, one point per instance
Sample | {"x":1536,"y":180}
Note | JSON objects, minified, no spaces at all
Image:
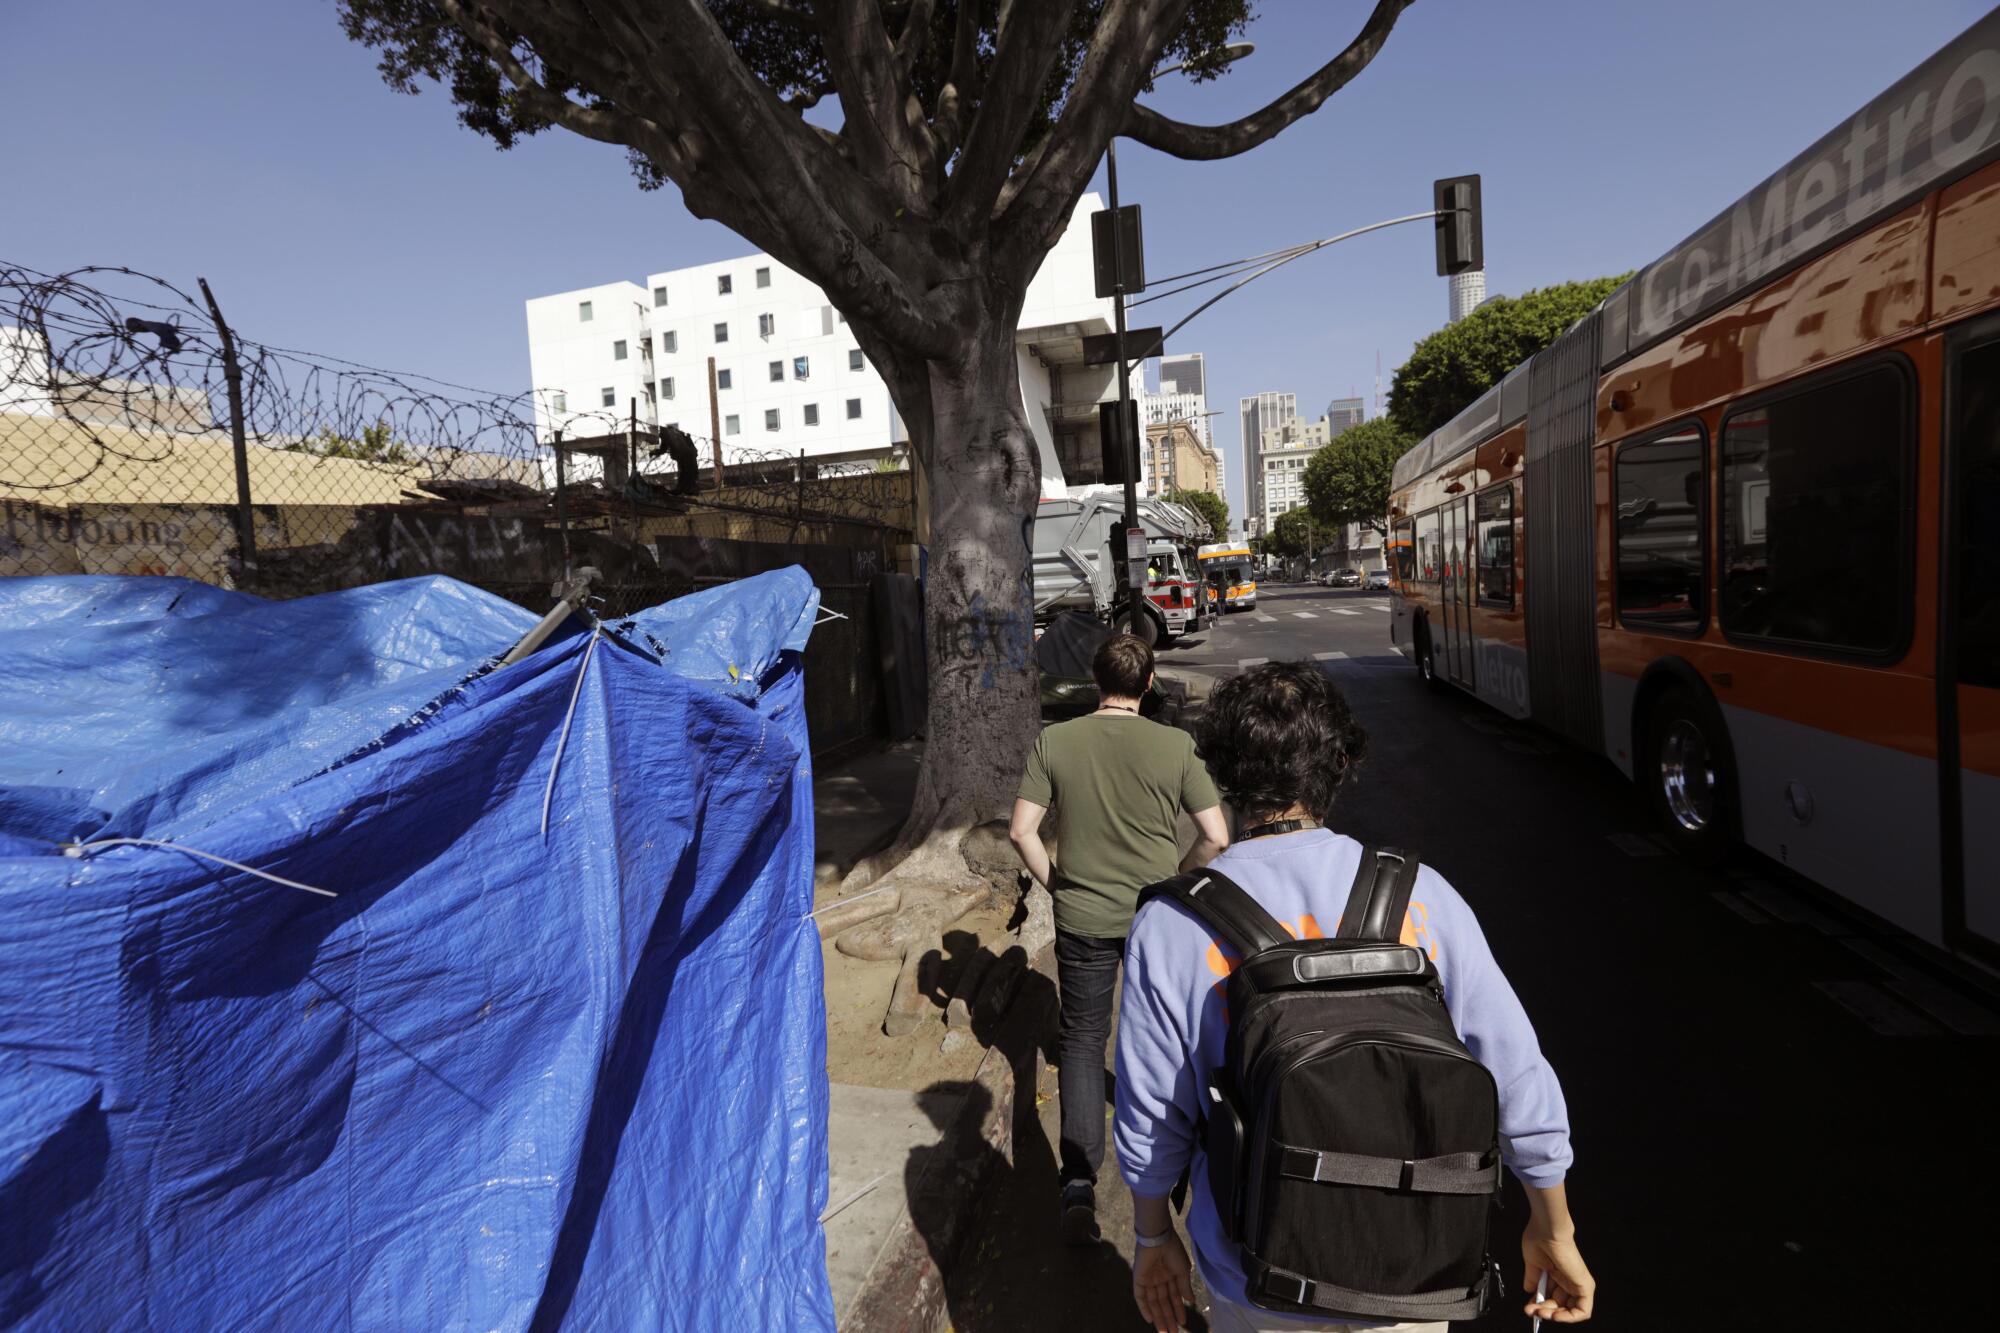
{"x":1345,"y":414}
{"x":1260,"y":413}
{"x":1183,"y":396}
{"x":1468,"y":289}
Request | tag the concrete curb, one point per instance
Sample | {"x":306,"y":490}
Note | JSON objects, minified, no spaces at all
{"x":904,"y":1291}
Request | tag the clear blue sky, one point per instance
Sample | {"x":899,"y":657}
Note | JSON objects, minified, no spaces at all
{"x":248,"y":142}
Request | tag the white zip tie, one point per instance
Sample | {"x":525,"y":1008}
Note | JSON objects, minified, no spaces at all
{"x":826,"y":615}
{"x":76,"y":850}
{"x":549,"y":792}
{"x":855,"y":899}
{"x":842,"y":1205}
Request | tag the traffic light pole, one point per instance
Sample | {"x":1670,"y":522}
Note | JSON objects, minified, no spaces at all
{"x":1131,"y":461}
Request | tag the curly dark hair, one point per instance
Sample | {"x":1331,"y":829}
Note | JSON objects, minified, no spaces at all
{"x":1278,"y":734}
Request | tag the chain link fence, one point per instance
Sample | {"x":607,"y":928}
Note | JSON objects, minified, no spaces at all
{"x":141,"y":434}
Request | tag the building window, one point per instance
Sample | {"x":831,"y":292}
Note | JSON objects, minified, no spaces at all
{"x":722,"y":379}
{"x":771,"y":419}
{"x":659,"y":297}
{"x":1493,"y":532}
{"x":669,"y":342}
{"x":1662,"y":572}
{"x":1816,"y":508}
{"x":667,"y":387}
{"x":722,"y":284}
{"x":583,"y":315}
{"x":722,"y":333}
{"x":648,"y":387}
{"x":559,"y":402}
{"x":801,"y":367}
{"x":732,"y":425}
{"x":812,"y":414}
{"x":610,"y":398}
{"x":854,"y":409}
{"x":618,"y":350}
{"x":763,"y":277}
{"x":855,"y":361}
{"x":766,"y":325}
{"x":777,"y":372}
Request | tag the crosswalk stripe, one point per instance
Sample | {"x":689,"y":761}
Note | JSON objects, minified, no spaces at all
{"x":1329,"y":657}
{"x":1252,"y":661}
{"x":1377,"y":606}
{"x":1306,"y":615}
{"x":1343,"y":611}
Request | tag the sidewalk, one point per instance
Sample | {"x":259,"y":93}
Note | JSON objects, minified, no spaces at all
{"x":919,"y":1126}
{"x":941,"y":1201}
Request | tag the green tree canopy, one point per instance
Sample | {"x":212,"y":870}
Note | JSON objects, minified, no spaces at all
{"x":1296,"y":533}
{"x":1348,"y":480}
{"x":1453,"y":366}
{"x":1207,"y":504}
{"x":374,"y":446}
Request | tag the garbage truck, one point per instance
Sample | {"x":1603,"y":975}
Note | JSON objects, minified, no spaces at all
{"x":1077,"y":541}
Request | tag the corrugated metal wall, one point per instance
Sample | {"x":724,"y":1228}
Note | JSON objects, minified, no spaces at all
{"x":1561,"y":593}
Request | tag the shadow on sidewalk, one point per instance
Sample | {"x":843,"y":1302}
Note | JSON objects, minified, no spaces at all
{"x":1005,"y":1268}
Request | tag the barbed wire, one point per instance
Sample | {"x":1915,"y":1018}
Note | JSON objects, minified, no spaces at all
{"x":114,"y":385}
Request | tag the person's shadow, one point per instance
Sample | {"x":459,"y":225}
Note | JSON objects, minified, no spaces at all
{"x":984,"y":1198}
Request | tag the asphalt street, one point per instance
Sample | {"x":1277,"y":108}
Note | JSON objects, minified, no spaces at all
{"x":1781,"y":1113}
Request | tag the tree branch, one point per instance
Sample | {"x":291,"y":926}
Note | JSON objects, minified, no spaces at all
{"x":916,"y":38}
{"x":873,"y":94}
{"x":604,"y":124}
{"x":1029,"y":43}
{"x":1205,"y":142}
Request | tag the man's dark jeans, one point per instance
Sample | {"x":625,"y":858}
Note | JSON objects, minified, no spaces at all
{"x":1087,"y":975}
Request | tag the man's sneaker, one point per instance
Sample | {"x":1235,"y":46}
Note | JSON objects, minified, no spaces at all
{"x":1079,"y":1214}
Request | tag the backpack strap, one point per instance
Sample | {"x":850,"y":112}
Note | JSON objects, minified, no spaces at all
{"x":1380,"y":896}
{"x":1223,"y":905}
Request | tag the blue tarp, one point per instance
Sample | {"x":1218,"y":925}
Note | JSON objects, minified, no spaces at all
{"x":505,"y":1079}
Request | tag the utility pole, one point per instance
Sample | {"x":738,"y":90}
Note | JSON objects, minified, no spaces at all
{"x":714,"y":427}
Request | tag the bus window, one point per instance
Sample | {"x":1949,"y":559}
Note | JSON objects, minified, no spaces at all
{"x":1662,"y":573}
{"x":1815,"y":494}
{"x":1493,"y":514}
{"x":1403,"y":550}
{"x":1978,"y":637}
{"x":1430,"y":560}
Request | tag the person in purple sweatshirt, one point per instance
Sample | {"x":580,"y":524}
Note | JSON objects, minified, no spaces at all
{"x":1279,"y":740}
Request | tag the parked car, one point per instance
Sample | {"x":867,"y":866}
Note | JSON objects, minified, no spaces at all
{"x":1377,"y":580}
{"x":1344,"y":578}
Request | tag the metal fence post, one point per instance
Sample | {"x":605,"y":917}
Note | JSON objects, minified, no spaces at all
{"x":562,"y":502}
{"x":246,"y":521}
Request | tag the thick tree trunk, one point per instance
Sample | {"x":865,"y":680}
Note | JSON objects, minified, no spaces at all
{"x":978,"y":608}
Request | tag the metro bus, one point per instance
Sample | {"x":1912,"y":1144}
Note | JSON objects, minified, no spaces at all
{"x":1228,"y":568}
{"x":1738,"y":529}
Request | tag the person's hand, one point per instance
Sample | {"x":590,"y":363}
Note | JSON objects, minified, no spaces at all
{"x":1161,"y":1286}
{"x":1572,"y":1290}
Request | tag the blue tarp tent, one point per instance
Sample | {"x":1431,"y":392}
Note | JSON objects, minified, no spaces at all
{"x":508,"y":1077}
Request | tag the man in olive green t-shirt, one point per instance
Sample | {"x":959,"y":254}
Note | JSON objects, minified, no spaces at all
{"x":1121,"y":783}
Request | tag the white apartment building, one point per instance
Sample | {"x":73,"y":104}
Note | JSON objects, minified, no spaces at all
{"x":1285,"y":451}
{"x":1260,"y":412}
{"x":790,"y":378}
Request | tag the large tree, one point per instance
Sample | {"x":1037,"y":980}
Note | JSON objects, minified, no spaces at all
{"x":1453,"y":366}
{"x":965,"y":133}
{"x":1297,"y":533}
{"x":1347,"y":481}
{"x":1207,"y":504}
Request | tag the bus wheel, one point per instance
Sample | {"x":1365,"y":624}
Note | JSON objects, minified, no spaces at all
{"x":1426,"y":660}
{"x":1687,"y":777}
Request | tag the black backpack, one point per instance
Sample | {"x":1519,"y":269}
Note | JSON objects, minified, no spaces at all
{"x":1353,"y":1142}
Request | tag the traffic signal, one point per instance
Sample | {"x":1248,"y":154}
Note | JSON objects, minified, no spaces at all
{"x":1461,"y":245}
